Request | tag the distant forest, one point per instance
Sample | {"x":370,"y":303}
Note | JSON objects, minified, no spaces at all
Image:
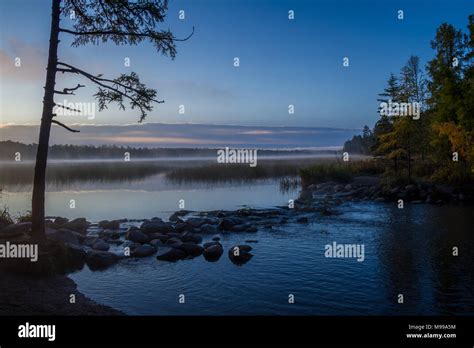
{"x":8,"y":150}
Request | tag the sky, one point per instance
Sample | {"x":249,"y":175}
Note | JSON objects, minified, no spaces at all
{"x":282,"y":61}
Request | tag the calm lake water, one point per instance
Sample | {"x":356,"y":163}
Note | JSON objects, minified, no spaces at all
{"x":407,"y":252}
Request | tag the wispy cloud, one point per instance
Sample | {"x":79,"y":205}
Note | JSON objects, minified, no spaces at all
{"x":185,"y":135}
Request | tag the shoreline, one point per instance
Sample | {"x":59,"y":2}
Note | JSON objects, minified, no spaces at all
{"x":24,"y":295}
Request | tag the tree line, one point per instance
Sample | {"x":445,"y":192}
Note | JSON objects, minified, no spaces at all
{"x":438,"y":142}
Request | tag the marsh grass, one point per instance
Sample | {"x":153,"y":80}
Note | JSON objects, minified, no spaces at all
{"x":339,"y":171}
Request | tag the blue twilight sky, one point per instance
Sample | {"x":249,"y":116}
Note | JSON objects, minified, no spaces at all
{"x":282,"y":62}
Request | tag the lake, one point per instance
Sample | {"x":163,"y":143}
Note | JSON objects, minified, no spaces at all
{"x":407,"y":251}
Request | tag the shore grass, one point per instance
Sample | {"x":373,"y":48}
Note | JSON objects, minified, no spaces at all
{"x":342,"y":172}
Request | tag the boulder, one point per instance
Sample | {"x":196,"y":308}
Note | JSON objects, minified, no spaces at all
{"x":239,"y":228}
{"x":156,"y":226}
{"x":191,"y":237}
{"x":160,"y":236}
{"x":183,"y":227}
{"x":172,"y":255}
{"x":196,"y":222}
{"x":15,"y":230}
{"x":208,"y":229}
{"x":131,"y":245}
{"x":101,"y":245}
{"x":213,"y":251}
{"x":109,"y":225}
{"x":173,"y":241}
{"x":227,"y":223}
{"x":156,"y":243}
{"x":144,"y":250}
{"x":65,"y":236}
{"x":191,"y":249}
{"x":96,"y":259}
{"x":240,"y":254}
{"x":77,"y":255}
{"x":175,"y":218}
{"x":137,"y":236}
{"x":61,"y":220}
{"x":79,"y":225}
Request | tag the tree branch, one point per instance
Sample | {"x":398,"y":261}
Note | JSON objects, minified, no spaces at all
{"x":121,"y":33}
{"x":65,"y":107}
{"x":64,"y":126}
{"x":96,"y":80}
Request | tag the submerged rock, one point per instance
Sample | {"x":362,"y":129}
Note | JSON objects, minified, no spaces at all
{"x":191,"y":249}
{"x":96,"y":259}
{"x":101,"y":245}
{"x":191,"y":237}
{"x":109,"y":225}
{"x":156,"y":226}
{"x":79,"y":225}
{"x":65,"y":236}
{"x":137,"y":236}
{"x":213,"y":251}
{"x":240,"y":254}
{"x":172,"y":255}
{"x":144,"y":250}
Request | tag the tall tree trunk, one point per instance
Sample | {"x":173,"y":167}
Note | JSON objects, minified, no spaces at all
{"x":39,"y":183}
{"x":409,"y":167}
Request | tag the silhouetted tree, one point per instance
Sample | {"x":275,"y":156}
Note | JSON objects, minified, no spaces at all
{"x":95,"y":21}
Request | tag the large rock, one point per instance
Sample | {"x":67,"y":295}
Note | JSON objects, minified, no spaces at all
{"x":208,"y":229}
{"x":156,"y":243}
{"x":130,"y":245}
{"x":240,"y":254}
{"x":61,"y":220}
{"x":77,"y":255}
{"x":174,"y":241}
{"x":65,"y":236}
{"x":144,"y":250}
{"x":160,"y":236}
{"x":191,"y":237}
{"x":156,"y":226}
{"x":183,"y":227}
{"x":101,"y":245}
{"x":213,"y":251}
{"x":15,"y":230}
{"x":100,"y":259}
{"x":227,"y":223}
{"x":196,"y":222}
{"x":109,"y":225}
{"x":172,"y":255}
{"x":79,"y":225}
{"x":137,"y":236}
{"x":191,"y":249}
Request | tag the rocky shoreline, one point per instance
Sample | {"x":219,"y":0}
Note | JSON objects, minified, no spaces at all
{"x":370,"y":188}
{"x":187,"y":235}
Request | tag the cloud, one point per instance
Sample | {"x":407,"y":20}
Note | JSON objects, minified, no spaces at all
{"x":185,"y":135}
